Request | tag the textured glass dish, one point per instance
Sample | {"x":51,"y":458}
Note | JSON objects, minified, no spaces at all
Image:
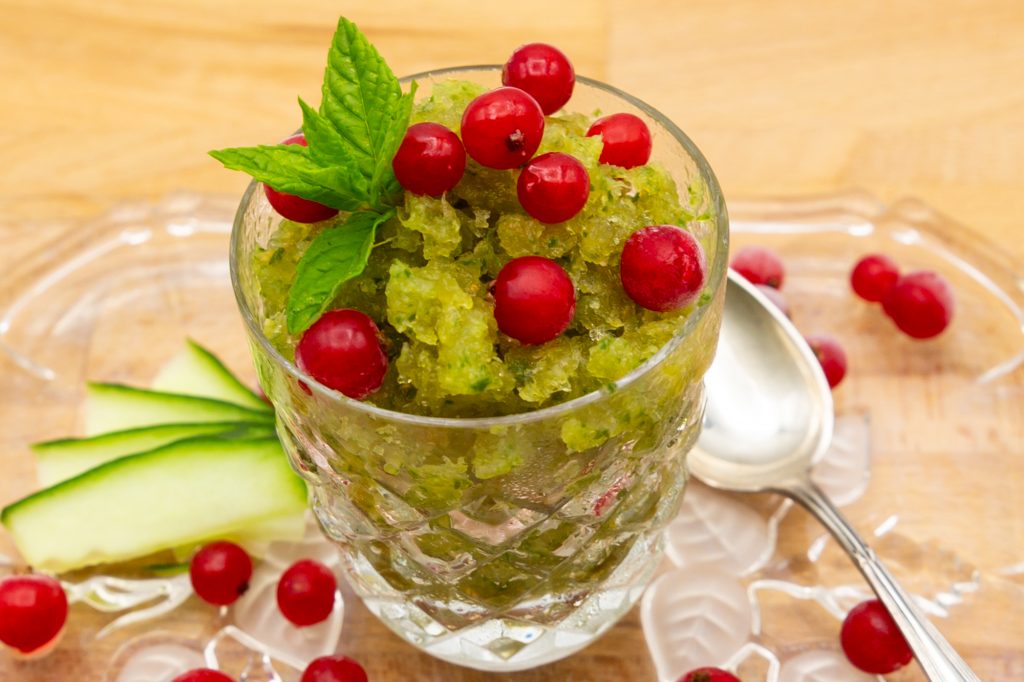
{"x":502,"y":543}
{"x":927,"y":459}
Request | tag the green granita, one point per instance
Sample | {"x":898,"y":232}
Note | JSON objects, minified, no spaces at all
{"x":427,"y":279}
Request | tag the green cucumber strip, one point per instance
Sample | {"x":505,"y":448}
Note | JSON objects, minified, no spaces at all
{"x":115,"y":407}
{"x":198,"y":372}
{"x":183,"y":493}
{"x":59,"y":460}
{"x":256,"y":538}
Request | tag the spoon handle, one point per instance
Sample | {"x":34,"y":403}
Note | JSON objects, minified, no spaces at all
{"x":935,"y":655}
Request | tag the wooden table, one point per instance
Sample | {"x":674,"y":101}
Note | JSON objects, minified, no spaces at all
{"x":107,"y":100}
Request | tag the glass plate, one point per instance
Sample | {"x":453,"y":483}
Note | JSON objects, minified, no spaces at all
{"x":928,"y":455}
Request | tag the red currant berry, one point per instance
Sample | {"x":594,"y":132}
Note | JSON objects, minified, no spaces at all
{"x":430,"y":160}
{"x":534,"y":299}
{"x":544,"y":72}
{"x":220,"y":573}
{"x":663,"y":268}
{"x":296,"y":208}
{"x":627,"y":141}
{"x":709,"y":675}
{"x":502,"y":128}
{"x":342,"y":351}
{"x":202,"y":675}
{"x":759,"y":266}
{"x":831,"y":357}
{"x":33,"y":610}
{"x":553,"y":187}
{"x":872,"y":641}
{"x":776,"y":297}
{"x":334,"y":669}
{"x":873,"y":277}
{"x":305,"y":593}
{"x":921,"y":304}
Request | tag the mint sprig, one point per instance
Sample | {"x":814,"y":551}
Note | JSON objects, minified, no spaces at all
{"x":352,"y":140}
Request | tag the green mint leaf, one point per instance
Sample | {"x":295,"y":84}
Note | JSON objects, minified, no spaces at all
{"x":362,"y":100}
{"x":384,"y":181}
{"x":336,"y":255}
{"x":291,"y":169}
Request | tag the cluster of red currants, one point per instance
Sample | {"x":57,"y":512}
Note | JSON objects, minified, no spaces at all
{"x":919,"y":303}
{"x":662,"y":267}
{"x":220,"y":574}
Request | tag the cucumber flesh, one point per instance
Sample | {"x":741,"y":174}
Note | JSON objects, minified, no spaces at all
{"x":185,"y":492}
{"x":256,"y":538}
{"x":198,"y":372}
{"x":114,"y":407}
{"x":59,"y":460}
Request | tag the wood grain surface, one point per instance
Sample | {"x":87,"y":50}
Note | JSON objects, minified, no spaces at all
{"x":108,"y":100}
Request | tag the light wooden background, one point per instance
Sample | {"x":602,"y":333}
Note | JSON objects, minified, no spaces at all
{"x":105,"y":100}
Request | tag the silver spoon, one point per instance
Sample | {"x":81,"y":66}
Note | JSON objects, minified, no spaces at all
{"x":769,"y":418}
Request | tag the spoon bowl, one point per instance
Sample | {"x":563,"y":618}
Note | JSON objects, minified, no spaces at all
{"x":769,"y":418}
{"x":769,"y":413}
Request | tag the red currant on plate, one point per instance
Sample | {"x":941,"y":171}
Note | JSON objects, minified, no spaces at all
{"x":296,"y":208}
{"x":334,"y":669}
{"x":873,"y":277}
{"x":305,"y":593}
{"x":627,"y":140}
{"x":220,"y":573}
{"x":534,"y":299}
{"x":830,"y":355}
{"x":202,"y":675}
{"x":342,"y":351}
{"x":663,"y":268}
{"x":502,"y":128}
{"x":759,"y":266}
{"x":553,"y":187}
{"x":872,"y":641}
{"x":544,"y":72}
{"x":33,"y":610}
{"x":921,"y":304}
{"x":709,"y":675}
{"x":430,"y":160}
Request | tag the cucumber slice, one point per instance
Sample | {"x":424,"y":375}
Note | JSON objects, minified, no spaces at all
{"x":256,"y":538}
{"x":196,"y":371}
{"x":59,"y":460}
{"x":185,"y":492}
{"x":114,"y":407}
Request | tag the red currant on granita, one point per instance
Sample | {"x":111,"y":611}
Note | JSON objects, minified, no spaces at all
{"x":627,"y":140}
{"x":502,"y":128}
{"x":296,"y":208}
{"x":342,"y":351}
{"x":873,"y":277}
{"x":921,"y":304}
{"x":872,"y":641}
{"x":334,"y":669}
{"x":544,"y":72}
{"x":305,"y":593}
{"x":662,"y":268}
{"x":553,"y":187}
{"x":430,"y":161}
{"x":831,"y":357}
{"x":534,"y":299}
{"x":33,"y":610}
{"x":220,"y":573}
{"x":709,"y":675}
{"x":759,"y":266}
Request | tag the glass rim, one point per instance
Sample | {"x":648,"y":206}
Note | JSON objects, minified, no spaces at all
{"x":716,"y":273}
